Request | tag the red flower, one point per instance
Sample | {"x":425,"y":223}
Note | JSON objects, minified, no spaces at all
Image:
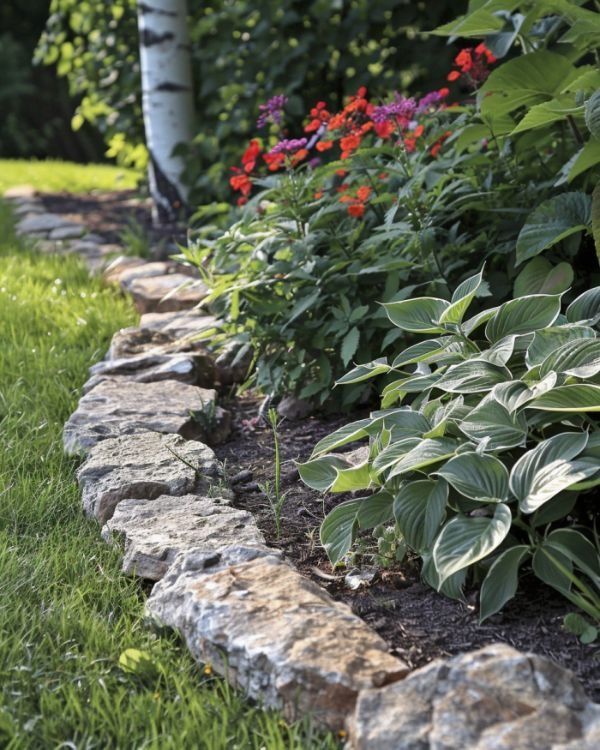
{"x":274,"y":161}
{"x":242,"y":183}
{"x":350,"y":143}
{"x":324,"y":145}
{"x":318,"y":195}
{"x":418,"y":131}
{"x":250,"y":156}
{"x":357,"y":210}
{"x":482,"y":50}
{"x":385,"y":129}
{"x":453,"y":75}
{"x":363,"y":193}
{"x":299,"y":156}
{"x":242,"y":201}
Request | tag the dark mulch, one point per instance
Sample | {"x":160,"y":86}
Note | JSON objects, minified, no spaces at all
{"x":418,"y":623}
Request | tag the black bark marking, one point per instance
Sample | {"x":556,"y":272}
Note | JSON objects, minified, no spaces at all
{"x":168,"y":201}
{"x":149,"y":38}
{"x":170,"y":86}
{"x":143,"y":8}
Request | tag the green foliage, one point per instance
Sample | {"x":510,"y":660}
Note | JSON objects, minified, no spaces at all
{"x":486,"y":450}
{"x":52,"y":176}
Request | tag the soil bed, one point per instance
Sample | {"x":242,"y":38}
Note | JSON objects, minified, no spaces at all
{"x":417,"y":622}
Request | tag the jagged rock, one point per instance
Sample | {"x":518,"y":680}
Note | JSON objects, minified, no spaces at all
{"x":232,"y":368}
{"x":113,"y":272}
{"x":154,"y":532}
{"x":274,"y":633}
{"x":179,"y":323}
{"x":149,"y":293}
{"x":131,"y":342}
{"x":294,"y":408}
{"x":67,"y":232}
{"x":197,"y":369}
{"x":42,"y":223}
{"x":144,"y":465}
{"x":126,"y":407}
{"x":495,"y":698}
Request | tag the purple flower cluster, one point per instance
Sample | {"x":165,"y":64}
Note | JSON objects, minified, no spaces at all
{"x":272,"y":111}
{"x":288,"y":146}
{"x":428,"y":101}
{"x":402,"y":108}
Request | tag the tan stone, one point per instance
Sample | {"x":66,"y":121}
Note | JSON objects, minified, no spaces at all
{"x":113,"y":272}
{"x":167,"y":293}
{"x":179,"y":323}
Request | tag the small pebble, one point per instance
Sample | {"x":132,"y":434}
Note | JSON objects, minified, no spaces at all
{"x":245,"y":475}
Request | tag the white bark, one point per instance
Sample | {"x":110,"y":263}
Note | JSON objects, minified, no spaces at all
{"x":166,"y":99}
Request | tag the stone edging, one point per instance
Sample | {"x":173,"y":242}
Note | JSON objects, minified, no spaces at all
{"x":158,"y":493}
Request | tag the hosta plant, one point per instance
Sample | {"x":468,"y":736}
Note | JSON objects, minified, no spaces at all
{"x":486,"y":451}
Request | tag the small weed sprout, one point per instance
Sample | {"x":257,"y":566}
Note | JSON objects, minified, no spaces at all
{"x":273,"y":491}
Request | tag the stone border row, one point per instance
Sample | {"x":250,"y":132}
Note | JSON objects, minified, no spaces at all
{"x":148,"y":414}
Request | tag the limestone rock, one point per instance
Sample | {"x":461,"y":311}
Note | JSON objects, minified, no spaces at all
{"x":196,"y":369}
{"x":126,"y":407}
{"x":145,"y":271}
{"x":41,"y":223}
{"x":495,"y":698}
{"x":233,"y":364}
{"x":135,"y":341}
{"x":67,"y":232}
{"x":183,"y":293}
{"x":23,"y":207}
{"x":145,"y":465}
{"x":179,"y":323}
{"x":122,"y":263}
{"x":272,"y":632}
{"x":155,"y":531}
{"x":294,"y":408}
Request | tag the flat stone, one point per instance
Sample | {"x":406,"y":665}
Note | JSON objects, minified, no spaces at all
{"x":112,"y":274}
{"x":178,"y":323}
{"x":24,"y":207}
{"x":272,"y":632}
{"x":495,"y":698}
{"x":144,"y":465}
{"x":294,"y":408}
{"x":42,"y":223}
{"x":154,"y":532}
{"x":135,"y":341}
{"x":127,"y":407}
{"x":149,"y":293}
{"x":197,"y":369}
{"x":144,"y":271}
{"x":20,"y":191}
{"x":56,"y":247}
{"x":69,"y":232}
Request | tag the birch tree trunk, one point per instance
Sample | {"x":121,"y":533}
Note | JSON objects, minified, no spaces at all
{"x":166,"y":100}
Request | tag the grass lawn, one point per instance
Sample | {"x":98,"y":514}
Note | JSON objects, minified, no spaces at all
{"x":66,"y":612}
{"x":49,"y":176}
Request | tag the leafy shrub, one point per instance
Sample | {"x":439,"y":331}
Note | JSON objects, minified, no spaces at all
{"x":485,"y":447}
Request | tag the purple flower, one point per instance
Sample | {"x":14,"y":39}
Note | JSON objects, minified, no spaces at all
{"x":288,"y":146}
{"x":272,"y":111}
{"x":401,"y":108}
{"x":428,"y":101}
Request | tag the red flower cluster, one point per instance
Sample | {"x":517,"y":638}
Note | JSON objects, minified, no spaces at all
{"x":357,"y":202}
{"x":472,"y":63}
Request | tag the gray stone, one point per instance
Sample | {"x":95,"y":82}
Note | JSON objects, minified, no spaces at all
{"x":112,"y":273}
{"x":154,"y":532}
{"x":179,"y":324}
{"x":232,"y":364}
{"x":144,"y":465}
{"x":294,"y":408}
{"x":135,"y":341}
{"x":126,"y":407}
{"x":41,"y":223}
{"x":495,"y":698}
{"x":69,"y":232}
{"x":56,"y":247}
{"x":144,"y":271}
{"x":272,"y":632}
{"x":196,"y":369}
{"x":24,"y":207}
{"x":167,"y":293}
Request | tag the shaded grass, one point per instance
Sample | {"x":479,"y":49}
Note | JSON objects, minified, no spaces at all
{"x":66,"y":612}
{"x":52,"y":176}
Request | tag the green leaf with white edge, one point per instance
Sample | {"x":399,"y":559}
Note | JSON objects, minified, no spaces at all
{"x":586,"y":158}
{"x":553,"y":221}
{"x":548,"y":340}
{"x":596,"y":218}
{"x":477,"y":320}
{"x":472,"y":376}
{"x":500,"y":352}
{"x":539,"y":276}
{"x":352,"y":479}
{"x":579,"y":549}
{"x":423,"y":351}
{"x":501,"y":581}
{"x":552,"y":567}
{"x":554,"y":478}
{"x":461,"y":299}
{"x":349,"y":345}
{"x":339,"y":529}
{"x":492,"y":422}
{"x":365,"y":372}
{"x":523,"y":477}
{"x":442,"y":416}
{"x":452,"y":587}
{"x":510,"y":394}
{"x":523,"y":315}
{"x":580,"y":358}
{"x":569,"y":398}
{"x":375,"y":510}
{"x":419,"y":510}
{"x":554,"y":509}
{"x":585,"y":308}
{"x":479,"y":477}
{"x":320,"y":473}
{"x":427,"y":452}
{"x":420,"y":315}
{"x":348,"y":433}
{"x":403,"y":422}
{"x":592,"y":114}
{"x":466,"y":540}
{"x":393,"y":453}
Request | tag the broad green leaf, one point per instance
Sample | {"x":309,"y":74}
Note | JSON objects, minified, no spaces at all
{"x":339,"y":529}
{"x":420,"y":315}
{"x":472,"y":376}
{"x":554,"y":478}
{"x":365,"y":372}
{"x":375,"y":510}
{"x":461,"y":299}
{"x":553,"y":221}
{"x":549,"y":340}
{"x":586,"y":307}
{"x":479,"y":477}
{"x":352,"y":479}
{"x":511,"y":394}
{"x":451,"y":587}
{"x":528,"y":475}
{"x":403,"y":422}
{"x":428,"y":451}
{"x":580,"y":358}
{"x":592,"y":114}
{"x":493,"y":422}
{"x":586,"y":158}
{"x":579,"y":549}
{"x":596,"y":218}
{"x":547,"y":113}
{"x":423,"y":351}
{"x":346,"y":434}
{"x":554,"y":509}
{"x":501,"y":581}
{"x":320,"y":473}
{"x":579,"y":626}
{"x":569,"y":398}
{"x":349,"y":345}
{"x":523,"y":315}
{"x":549,"y":565}
{"x":419,"y":509}
{"x":466,"y":540}
{"x":539,"y":276}
{"x":393,"y":453}
{"x":479,"y":23}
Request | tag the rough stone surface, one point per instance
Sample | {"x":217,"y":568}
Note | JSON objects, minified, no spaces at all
{"x":495,"y":698}
{"x":122,"y":263}
{"x":149,"y":293}
{"x":41,"y":223}
{"x":154,"y":532}
{"x":23,"y":207}
{"x":294,"y":408}
{"x":272,"y":632}
{"x":196,"y":369}
{"x":131,"y":342}
{"x":179,"y":324}
{"x":145,"y":465}
{"x":145,"y":271}
{"x":126,"y":407}
{"x":68,"y":232}
{"x":232,"y":368}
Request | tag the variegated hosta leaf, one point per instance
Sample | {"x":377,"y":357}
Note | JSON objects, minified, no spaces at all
{"x":393,"y":453}
{"x":466,"y":540}
{"x":352,"y":479}
{"x":586,"y":308}
{"x":479,"y":477}
{"x":419,"y":509}
{"x":365,"y":372}
{"x":493,"y":421}
{"x":424,"y":351}
{"x":531,"y":483}
{"x":461,"y":299}
{"x":501,"y":351}
{"x":425,"y":453}
{"x":472,"y":376}
{"x":576,"y":398}
{"x":523,"y":315}
{"x":443,"y":414}
{"x":580,"y":358}
{"x":548,"y":340}
{"x":320,"y":473}
{"x":501,"y":581}
{"x":348,"y":433}
{"x":420,"y":315}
